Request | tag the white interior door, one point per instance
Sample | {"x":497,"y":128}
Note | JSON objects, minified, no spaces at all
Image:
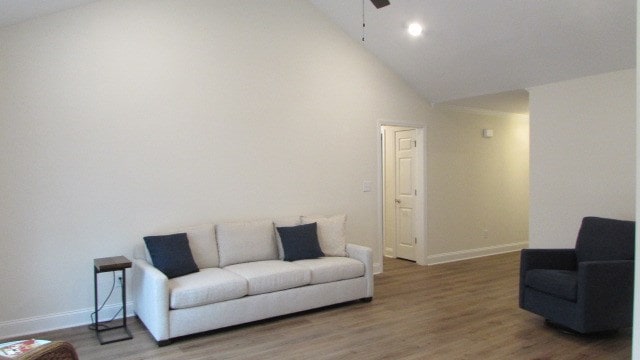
{"x":405,"y":194}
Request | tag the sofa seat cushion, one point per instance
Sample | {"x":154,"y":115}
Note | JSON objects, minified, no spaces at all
{"x":560,"y":283}
{"x":271,"y":275}
{"x":329,"y":269}
{"x":207,"y":286}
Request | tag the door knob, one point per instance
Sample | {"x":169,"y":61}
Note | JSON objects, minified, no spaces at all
{"x":398,"y":201}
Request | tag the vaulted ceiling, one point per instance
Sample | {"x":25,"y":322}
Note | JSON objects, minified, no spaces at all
{"x":470,"y":50}
{"x":473,"y":49}
{"x":15,"y":11}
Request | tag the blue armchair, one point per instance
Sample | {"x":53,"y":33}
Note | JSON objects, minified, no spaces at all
{"x":587,"y":289}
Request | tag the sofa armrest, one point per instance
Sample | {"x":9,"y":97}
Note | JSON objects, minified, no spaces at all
{"x":151,"y":298}
{"x":365,"y":255}
{"x":605,"y":291}
{"x":558,"y":259}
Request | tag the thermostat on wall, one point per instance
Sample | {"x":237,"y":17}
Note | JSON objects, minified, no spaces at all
{"x":487,"y":133}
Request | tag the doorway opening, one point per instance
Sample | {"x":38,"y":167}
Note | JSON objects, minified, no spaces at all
{"x":402,"y":192}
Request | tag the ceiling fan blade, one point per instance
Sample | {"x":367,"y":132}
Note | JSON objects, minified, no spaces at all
{"x":380,"y":3}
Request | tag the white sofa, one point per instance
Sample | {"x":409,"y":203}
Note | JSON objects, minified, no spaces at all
{"x":242,"y":277}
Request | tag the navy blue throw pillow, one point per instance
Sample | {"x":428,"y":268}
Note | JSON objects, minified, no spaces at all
{"x":300,"y":242}
{"x":171,"y":254}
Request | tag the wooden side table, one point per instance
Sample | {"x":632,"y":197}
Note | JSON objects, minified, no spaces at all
{"x":114,"y":263}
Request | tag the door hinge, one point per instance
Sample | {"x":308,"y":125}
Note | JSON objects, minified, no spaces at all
{"x":415,"y":192}
{"x":415,"y":241}
{"x":415,"y":143}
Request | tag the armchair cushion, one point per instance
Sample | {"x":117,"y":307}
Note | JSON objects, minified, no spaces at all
{"x":560,"y":283}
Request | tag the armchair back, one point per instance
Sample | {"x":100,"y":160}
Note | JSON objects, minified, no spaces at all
{"x":602,"y":239}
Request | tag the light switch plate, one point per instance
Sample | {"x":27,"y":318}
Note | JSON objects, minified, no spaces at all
{"x":487,"y":133}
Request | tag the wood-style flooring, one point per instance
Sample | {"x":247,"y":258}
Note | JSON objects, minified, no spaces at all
{"x":462,"y":310}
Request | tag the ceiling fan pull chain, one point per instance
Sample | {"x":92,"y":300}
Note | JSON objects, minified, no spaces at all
{"x":363,"y":22}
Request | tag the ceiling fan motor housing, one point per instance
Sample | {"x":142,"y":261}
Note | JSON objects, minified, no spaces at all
{"x":380,"y":3}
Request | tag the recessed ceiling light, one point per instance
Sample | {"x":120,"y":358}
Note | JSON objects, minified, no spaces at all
{"x":414,"y":29}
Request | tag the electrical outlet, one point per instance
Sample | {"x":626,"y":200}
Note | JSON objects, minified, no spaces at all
{"x":366,"y":186}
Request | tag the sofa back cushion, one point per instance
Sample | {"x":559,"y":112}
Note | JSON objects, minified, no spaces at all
{"x":202,"y":240}
{"x":605,"y":239}
{"x":241,"y":242}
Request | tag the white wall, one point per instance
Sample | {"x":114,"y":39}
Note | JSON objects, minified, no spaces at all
{"x":124,"y":117}
{"x":477,"y":188}
{"x":582,"y":155}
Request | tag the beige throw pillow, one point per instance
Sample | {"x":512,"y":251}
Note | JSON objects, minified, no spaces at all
{"x":331,"y":233}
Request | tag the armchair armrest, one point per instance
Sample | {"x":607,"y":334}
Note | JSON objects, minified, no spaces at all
{"x":150,"y":289}
{"x":365,"y":255}
{"x":558,"y":259}
{"x":605,"y":291}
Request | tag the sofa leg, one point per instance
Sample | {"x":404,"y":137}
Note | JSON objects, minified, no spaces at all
{"x":162,"y":343}
{"x":367,"y":299}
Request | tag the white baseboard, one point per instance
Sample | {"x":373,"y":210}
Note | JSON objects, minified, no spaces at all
{"x":377,"y":268}
{"x":474,"y":253}
{"x":38,"y":324}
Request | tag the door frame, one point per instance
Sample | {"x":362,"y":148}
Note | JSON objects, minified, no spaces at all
{"x":421,"y":187}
